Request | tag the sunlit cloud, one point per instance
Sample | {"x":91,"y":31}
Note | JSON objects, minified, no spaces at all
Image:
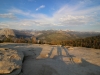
{"x":76,"y":15}
{"x":42,"y":6}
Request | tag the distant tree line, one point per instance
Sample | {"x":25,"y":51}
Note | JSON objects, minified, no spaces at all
{"x":32,"y":40}
{"x":89,"y":42}
{"x":19,"y":40}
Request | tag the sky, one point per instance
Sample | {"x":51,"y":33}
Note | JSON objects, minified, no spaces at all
{"x":77,"y":15}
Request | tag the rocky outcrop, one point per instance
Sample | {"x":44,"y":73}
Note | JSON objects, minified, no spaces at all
{"x":7,"y":33}
{"x":10,"y":61}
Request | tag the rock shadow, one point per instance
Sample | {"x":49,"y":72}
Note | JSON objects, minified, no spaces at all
{"x":91,"y":69}
{"x":59,"y":55}
{"x":49,"y":54}
{"x":68,"y":55}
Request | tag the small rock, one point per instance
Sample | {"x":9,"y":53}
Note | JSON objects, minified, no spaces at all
{"x":44,"y":55}
{"x":77,"y":60}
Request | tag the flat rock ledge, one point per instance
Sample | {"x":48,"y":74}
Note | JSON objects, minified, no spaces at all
{"x":10,"y":61}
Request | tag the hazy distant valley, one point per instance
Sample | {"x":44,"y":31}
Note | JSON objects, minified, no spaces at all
{"x":47,"y":33}
{"x":53,"y":37}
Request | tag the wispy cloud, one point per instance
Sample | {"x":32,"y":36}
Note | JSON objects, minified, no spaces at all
{"x":3,"y":25}
{"x":42,"y":6}
{"x":27,"y":14}
{"x":18,"y":11}
{"x":76,"y":15}
{"x":8,"y":15}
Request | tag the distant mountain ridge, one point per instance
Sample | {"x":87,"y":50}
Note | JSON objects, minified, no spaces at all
{"x":64,"y":35}
{"x":22,"y":33}
{"x":47,"y":35}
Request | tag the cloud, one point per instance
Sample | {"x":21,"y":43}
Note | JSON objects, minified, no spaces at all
{"x":27,"y":14}
{"x":3,"y":25}
{"x":67,"y":15}
{"x":8,"y":15}
{"x":77,"y":15}
{"x":42,"y":6}
{"x":18,"y":11}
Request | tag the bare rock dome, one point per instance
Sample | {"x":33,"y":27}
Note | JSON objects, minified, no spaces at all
{"x":7,"y":32}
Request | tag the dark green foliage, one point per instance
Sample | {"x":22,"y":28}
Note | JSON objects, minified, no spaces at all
{"x":90,"y":42}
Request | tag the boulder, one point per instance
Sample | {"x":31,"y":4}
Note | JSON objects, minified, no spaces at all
{"x":10,"y":61}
